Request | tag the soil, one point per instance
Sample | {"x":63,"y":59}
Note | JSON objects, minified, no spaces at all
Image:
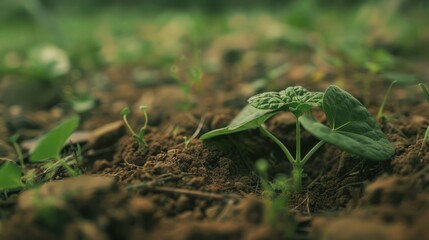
{"x":210,"y":189}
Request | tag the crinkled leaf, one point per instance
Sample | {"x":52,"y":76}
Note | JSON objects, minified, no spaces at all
{"x":295,"y":99}
{"x":267,"y":101}
{"x":10,"y":176}
{"x":51,"y":143}
{"x":351,"y":126}
{"x":248,"y":118}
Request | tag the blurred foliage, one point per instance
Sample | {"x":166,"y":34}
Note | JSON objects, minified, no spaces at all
{"x":373,"y":36}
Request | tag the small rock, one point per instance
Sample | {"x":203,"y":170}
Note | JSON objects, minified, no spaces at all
{"x":212,"y":212}
{"x":182,"y":202}
{"x":251,"y":210}
{"x":418,"y":120}
{"x":390,"y":190}
{"x":100,"y":165}
{"x":78,"y":188}
{"x":357,"y":229}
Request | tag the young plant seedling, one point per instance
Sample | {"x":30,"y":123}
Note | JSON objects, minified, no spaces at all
{"x":426,"y":93}
{"x":381,"y":109}
{"x":351,"y":127}
{"x":140,"y":136}
{"x":187,"y":141}
{"x":48,"y":148}
{"x":277,"y":192}
{"x":14,"y":141}
{"x":188,"y":77}
{"x":10,"y":176}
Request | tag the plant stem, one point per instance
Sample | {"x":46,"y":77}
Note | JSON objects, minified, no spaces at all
{"x":128,"y":126}
{"x":297,"y":177}
{"x":146,"y":119}
{"x":279,"y":143}
{"x":380,"y":110}
{"x":311,"y":152}
{"x":298,"y":141}
{"x":20,"y":156}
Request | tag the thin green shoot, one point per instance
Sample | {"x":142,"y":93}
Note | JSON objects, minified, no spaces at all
{"x":187,"y":141}
{"x":425,"y":91}
{"x":14,"y":141}
{"x":277,"y":193}
{"x":425,"y":139}
{"x":140,"y":136}
{"x":383,"y":103}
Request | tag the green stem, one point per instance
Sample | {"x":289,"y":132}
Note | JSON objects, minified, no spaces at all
{"x":146,"y":119}
{"x":311,"y":152}
{"x":20,"y":156}
{"x":380,"y":110}
{"x":298,"y":141}
{"x":297,"y":177}
{"x":128,"y":125}
{"x":279,"y":143}
{"x":70,"y":170}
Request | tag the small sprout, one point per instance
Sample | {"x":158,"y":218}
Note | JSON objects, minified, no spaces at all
{"x":10,"y":176}
{"x":140,"y":136}
{"x":425,"y":139}
{"x":262,"y":166}
{"x":277,"y":192}
{"x":426,"y":93}
{"x":381,"y":109}
{"x":125,"y":111}
{"x":187,"y":141}
{"x":14,"y":141}
{"x":351,"y":126}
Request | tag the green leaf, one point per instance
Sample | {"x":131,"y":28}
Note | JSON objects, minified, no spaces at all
{"x":248,"y":118}
{"x":50,"y":144}
{"x":425,"y":91}
{"x":10,"y":176}
{"x":125,"y":111}
{"x":267,"y":101}
{"x":295,"y":99}
{"x":351,"y":126}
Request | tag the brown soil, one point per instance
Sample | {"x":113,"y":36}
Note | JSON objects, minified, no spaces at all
{"x":210,"y":190}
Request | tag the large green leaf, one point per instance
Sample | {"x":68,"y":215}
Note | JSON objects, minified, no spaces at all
{"x":10,"y":176}
{"x":295,"y":99}
{"x":248,"y":118}
{"x":50,"y":144}
{"x":351,"y":126}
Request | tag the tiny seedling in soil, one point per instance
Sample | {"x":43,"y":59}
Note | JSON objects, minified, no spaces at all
{"x":277,"y":192}
{"x":14,"y":141}
{"x":380,"y":115}
{"x":10,"y":176}
{"x":48,"y":148}
{"x":140,"y":136}
{"x":351,"y":127}
{"x":426,"y":93}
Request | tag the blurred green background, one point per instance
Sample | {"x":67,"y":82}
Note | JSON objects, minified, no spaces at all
{"x":47,"y":40}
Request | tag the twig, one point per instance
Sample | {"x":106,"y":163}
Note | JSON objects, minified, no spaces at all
{"x":226,"y":209}
{"x":195,"y":193}
{"x":308,"y":204}
{"x":195,"y":134}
